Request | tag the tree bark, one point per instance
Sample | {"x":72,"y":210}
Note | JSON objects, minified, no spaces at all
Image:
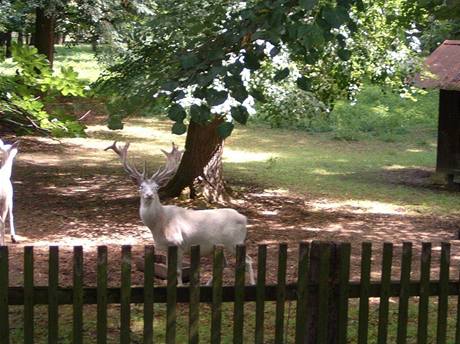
{"x":201,"y":166}
{"x":44,"y":34}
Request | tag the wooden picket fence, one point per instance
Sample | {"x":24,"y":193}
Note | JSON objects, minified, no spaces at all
{"x":321,"y":293}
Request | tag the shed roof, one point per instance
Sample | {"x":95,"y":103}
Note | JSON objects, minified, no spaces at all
{"x":442,"y":68}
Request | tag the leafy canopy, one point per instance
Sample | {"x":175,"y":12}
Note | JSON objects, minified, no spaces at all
{"x":198,"y":56}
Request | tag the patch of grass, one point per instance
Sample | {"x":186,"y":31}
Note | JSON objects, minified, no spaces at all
{"x":81,"y":58}
{"x":384,"y":115}
{"x":65,"y":323}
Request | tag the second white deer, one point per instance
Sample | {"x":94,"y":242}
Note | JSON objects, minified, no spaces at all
{"x":172,"y":225}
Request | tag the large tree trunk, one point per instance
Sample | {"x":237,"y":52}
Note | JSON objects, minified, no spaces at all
{"x":201,"y":166}
{"x":44,"y":34}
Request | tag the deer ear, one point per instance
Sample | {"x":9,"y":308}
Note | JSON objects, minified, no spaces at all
{"x":15,"y":145}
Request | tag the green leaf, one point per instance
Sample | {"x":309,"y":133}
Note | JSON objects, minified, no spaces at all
{"x":240,"y":114}
{"x":344,"y":54}
{"x":281,"y":74}
{"x":176,"y":95}
{"x":240,"y":93}
{"x":200,"y":113}
{"x":303,"y":83}
{"x":200,"y":93}
{"x":335,"y":16}
{"x":115,"y":123}
{"x":188,"y":61}
{"x":179,"y":128}
{"x":274,"y":51}
{"x":308,"y":4}
{"x":225,"y":129}
{"x":214,"y":97}
{"x":176,"y":113}
{"x":170,"y":85}
{"x":251,"y":61}
{"x":258,"y":95}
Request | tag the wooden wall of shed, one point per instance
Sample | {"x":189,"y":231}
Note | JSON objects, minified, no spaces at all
{"x":448,"y":157}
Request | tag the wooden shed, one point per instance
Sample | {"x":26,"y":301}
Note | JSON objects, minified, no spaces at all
{"x":442,"y":71}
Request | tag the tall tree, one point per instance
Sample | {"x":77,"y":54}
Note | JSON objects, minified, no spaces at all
{"x":198,"y":55}
{"x":44,"y":33}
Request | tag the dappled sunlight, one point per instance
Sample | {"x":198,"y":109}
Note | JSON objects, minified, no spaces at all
{"x":394,"y":167}
{"x":358,"y":206}
{"x":241,"y":156}
{"x":324,"y":172}
{"x":415,"y":150}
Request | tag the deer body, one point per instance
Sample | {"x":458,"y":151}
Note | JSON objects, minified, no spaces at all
{"x":175,"y":226}
{"x":171,"y":225}
{"x":7,"y":155}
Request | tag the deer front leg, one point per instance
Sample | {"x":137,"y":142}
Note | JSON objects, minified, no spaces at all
{"x":248,"y":262}
{"x":10,"y":214}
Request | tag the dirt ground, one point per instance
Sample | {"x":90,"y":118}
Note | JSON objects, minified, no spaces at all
{"x":73,"y":194}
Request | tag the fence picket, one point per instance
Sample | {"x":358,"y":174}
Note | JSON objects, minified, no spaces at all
{"x":194,"y":311}
{"x":363,"y":329}
{"x":149,"y":266}
{"x":216,"y":307}
{"x":425,"y":264}
{"x":302,"y":292}
{"x":280,"y":293}
{"x":260,"y":293}
{"x":77,"y":332}
{"x":28,"y":295}
{"x":238,"y":312}
{"x":406,"y":260}
{"x":443,"y":294}
{"x":344,"y":279}
{"x":101,"y":324}
{"x":323,"y":292}
{"x":4,"y":283}
{"x":457,"y":324}
{"x":125,"y":295}
{"x":53,"y":281}
{"x":171,"y":292}
{"x":387,"y":258}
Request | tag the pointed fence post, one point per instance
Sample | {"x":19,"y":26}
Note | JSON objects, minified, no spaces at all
{"x":323,"y":301}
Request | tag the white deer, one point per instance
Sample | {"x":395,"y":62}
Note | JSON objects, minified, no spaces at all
{"x":172,"y":225}
{"x":7,"y":154}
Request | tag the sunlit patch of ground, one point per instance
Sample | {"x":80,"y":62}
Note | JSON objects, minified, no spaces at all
{"x":73,"y":192}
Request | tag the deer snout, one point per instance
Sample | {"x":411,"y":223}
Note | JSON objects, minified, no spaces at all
{"x":148,"y":195}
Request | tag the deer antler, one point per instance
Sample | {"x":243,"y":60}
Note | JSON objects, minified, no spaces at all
{"x":135,"y":175}
{"x":165,"y":173}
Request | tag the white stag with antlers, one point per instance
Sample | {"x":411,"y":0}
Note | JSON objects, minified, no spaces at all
{"x":172,"y":225}
{"x":7,"y":154}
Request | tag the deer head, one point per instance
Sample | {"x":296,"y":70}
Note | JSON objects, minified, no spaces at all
{"x":7,"y":152}
{"x":149,"y":186}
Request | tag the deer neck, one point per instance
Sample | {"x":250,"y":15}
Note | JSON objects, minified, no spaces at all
{"x":152,"y":214}
{"x":6,"y":168}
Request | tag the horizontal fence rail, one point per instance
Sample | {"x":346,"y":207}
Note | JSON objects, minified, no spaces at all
{"x":320,"y":294}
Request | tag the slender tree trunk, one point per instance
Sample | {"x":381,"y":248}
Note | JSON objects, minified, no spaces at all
{"x":44,"y":34}
{"x":8,"y":44}
{"x":2,"y":44}
{"x":20,"y":38}
{"x":201,"y":165}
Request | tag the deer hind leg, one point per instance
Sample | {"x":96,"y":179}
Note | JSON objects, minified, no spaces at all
{"x":12,"y":230}
{"x":2,"y":232}
{"x":180,"y":256}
